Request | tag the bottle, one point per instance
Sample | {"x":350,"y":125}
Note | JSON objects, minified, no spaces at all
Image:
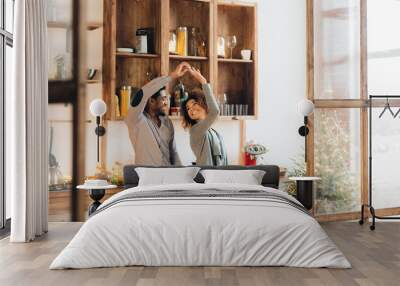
{"x":193,"y":42}
{"x":186,"y":95}
{"x":182,"y":41}
{"x":201,"y":47}
{"x":117,"y":107}
{"x":179,"y":95}
{"x":181,"y":89}
{"x":125,"y":96}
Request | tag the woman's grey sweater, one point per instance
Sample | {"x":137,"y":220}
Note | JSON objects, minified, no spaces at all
{"x":203,"y":140}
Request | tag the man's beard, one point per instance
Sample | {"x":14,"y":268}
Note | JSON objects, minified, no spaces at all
{"x":161,"y":112}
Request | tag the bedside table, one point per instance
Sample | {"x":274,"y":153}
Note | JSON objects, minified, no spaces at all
{"x":96,"y":194}
{"x":304,"y":190}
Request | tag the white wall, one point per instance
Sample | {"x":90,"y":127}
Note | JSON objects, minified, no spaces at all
{"x":282,"y":83}
{"x":282,"y":78}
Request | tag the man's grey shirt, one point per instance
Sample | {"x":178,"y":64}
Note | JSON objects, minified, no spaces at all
{"x":153,"y":145}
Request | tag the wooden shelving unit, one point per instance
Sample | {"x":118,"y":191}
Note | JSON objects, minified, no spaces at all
{"x":235,"y":77}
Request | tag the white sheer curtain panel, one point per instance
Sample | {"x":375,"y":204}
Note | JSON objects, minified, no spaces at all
{"x":27,"y":122}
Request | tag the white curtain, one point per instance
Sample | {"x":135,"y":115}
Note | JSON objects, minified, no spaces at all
{"x":27,"y":123}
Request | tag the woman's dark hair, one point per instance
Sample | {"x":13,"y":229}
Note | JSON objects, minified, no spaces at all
{"x":198,"y":96}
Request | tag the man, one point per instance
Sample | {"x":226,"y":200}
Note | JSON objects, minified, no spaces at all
{"x":150,"y":130}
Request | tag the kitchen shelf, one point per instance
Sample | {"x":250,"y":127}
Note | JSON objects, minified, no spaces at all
{"x":94,"y":25}
{"x":187,"y":58}
{"x":59,"y":25}
{"x":135,"y":55}
{"x":240,"y":61}
{"x":91,"y":81}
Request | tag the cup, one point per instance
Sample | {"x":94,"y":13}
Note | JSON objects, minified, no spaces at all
{"x":224,"y":109}
{"x":228,"y":111}
{"x":246,"y":54}
{"x":236,"y":110}
{"x":245,"y":109}
{"x":221,"y":109}
{"x":240,"y":112}
{"x":231,"y":109}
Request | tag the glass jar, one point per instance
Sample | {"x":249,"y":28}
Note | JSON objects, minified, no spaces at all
{"x":221,"y":47}
{"x":182,"y":41}
{"x":172,"y":42}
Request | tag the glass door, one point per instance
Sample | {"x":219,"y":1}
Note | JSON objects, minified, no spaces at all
{"x":339,"y":118}
{"x":62,"y":98}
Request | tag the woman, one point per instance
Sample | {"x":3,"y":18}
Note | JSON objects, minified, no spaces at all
{"x":200,"y":111}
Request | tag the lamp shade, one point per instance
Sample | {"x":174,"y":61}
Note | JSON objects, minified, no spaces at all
{"x":98,"y":107}
{"x":305,"y":107}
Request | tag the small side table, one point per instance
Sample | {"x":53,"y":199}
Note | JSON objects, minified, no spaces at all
{"x":96,"y":194}
{"x":304,"y":190}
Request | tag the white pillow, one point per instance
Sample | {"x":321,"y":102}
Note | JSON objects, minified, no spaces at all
{"x":248,"y":177}
{"x":166,"y":176}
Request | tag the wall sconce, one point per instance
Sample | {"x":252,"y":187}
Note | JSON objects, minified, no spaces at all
{"x":98,"y":108}
{"x":305,"y":107}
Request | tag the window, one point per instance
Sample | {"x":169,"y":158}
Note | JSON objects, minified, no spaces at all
{"x":339,"y":118}
{"x":337,"y":160}
{"x":6,"y":45}
{"x":383,"y":79}
{"x":9,"y":15}
{"x":337,"y":49}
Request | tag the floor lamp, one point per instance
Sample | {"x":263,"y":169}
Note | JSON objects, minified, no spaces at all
{"x":305,"y":107}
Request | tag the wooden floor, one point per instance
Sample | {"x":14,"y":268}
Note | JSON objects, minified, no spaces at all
{"x":375,"y":257}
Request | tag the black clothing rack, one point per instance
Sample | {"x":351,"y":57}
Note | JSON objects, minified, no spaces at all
{"x":369,"y":205}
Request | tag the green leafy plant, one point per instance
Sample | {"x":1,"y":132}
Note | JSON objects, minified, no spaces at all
{"x":298,"y":170}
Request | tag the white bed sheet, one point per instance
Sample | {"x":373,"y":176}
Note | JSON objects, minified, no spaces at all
{"x":200,"y":232}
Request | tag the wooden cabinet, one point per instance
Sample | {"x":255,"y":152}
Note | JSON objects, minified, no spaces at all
{"x":235,"y":77}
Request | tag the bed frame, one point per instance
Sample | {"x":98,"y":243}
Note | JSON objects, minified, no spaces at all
{"x":270,"y":179}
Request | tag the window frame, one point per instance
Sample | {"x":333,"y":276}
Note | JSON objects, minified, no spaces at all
{"x":359,"y":103}
{"x":6,"y":39}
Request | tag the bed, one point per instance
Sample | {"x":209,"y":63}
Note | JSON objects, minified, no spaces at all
{"x":201,"y":224}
